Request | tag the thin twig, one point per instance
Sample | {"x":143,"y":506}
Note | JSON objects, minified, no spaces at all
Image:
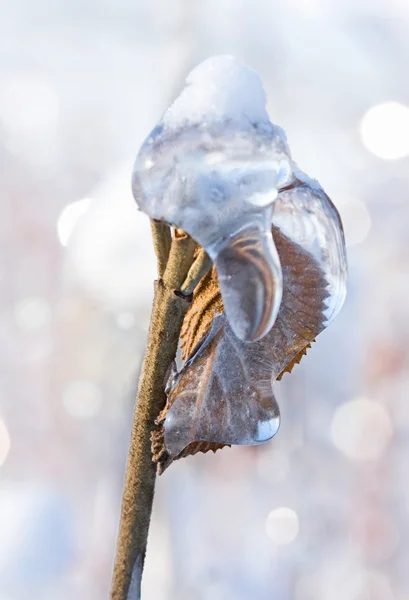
{"x":168,"y":311}
{"x":199,"y":269}
{"x":180,"y":260}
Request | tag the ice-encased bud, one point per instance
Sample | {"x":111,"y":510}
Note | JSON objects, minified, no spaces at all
{"x":212,"y":167}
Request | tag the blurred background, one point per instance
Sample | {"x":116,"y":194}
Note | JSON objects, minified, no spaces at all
{"x":322,"y":511}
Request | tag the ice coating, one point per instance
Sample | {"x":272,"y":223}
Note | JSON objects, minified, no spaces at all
{"x":213,"y":166}
{"x":307,"y":216}
{"x":226,"y":404}
{"x":224,"y":394}
{"x":250,"y":281}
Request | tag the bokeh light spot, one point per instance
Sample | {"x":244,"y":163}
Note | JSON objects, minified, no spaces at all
{"x":361,"y":429}
{"x":282,"y":525}
{"x":384,"y":130}
{"x":69,"y":218}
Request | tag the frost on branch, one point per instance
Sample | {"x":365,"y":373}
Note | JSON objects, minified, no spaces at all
{"x":213,"y":166}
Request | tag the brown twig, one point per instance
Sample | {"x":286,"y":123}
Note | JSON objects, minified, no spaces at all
{"x":199,"y":269}
{"x":168,"y":311}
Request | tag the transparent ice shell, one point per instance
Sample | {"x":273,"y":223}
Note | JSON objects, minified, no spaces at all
{"x":224,"y":393}
{"x":218,"y":182}
{"x":250,"y":279}
{"x":226,"y":407}
{"x":306,"y":215}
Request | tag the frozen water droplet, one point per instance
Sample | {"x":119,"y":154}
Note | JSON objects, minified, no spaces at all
{"x":209,"y":199}
{"x":250,"y":282}
{"x":216,"y":163}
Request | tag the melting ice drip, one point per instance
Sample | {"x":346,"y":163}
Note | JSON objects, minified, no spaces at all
{"x":212,"y":167}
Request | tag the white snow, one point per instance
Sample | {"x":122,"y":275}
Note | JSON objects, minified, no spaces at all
{"x":304,"y":178}
{"x":218,"y":88}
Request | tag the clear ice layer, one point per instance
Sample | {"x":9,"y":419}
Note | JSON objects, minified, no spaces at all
{"x":306,"y":215}
{"x":213,"y":167}
{"x":250,"y":280}
{"x":224,"y":392}
{"x":228,"y":403}
{"x":217,"y":168}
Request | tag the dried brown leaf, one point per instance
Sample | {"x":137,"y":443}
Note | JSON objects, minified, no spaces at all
{"x":224,"y":390}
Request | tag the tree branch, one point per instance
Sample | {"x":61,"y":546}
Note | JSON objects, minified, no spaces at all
{"x":199,"y":269}
{"x":168,"y":312}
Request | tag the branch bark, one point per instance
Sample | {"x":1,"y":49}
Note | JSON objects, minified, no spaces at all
{"x":168,"y":311}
